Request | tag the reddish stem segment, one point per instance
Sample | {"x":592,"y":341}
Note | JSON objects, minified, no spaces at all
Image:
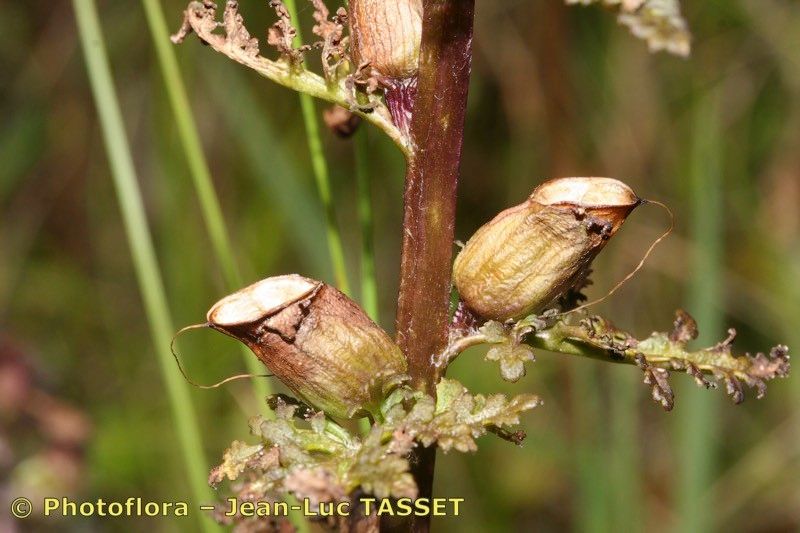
{"x":437,"y":131}
{"x":400,"y":96}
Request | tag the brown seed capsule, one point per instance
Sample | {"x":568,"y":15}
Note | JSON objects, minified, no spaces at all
{"x":316,"y":340}
{"x":531,"y":254}
{"x":342,"y":122}
{"x":386,"y":34}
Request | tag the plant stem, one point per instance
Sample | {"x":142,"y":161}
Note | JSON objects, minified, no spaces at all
{"x":199,"y":170}
{"x":321,"y":174}
{"x":437,"y":131}
{"x":369,"y":284}
{"x":141,"y":246}
{"x":696,"y":451}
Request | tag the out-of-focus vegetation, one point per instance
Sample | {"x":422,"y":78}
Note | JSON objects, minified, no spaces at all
{"x":556,"y":91}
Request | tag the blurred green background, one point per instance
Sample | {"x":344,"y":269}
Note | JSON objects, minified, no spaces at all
{"x":556,"y":91}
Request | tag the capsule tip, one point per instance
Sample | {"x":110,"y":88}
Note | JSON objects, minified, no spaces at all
{"x":261,"y":299}
{"x":587,"y":192}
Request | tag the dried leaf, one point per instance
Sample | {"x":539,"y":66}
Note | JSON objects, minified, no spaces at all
{"x":657,"y":378}
{"x":234,"y":461}
{"x":281,"y":35}
{"x":317,"y":484}
{"x":308,"y":457}
{"x":333,"y":44}
{"x":684,"y":329}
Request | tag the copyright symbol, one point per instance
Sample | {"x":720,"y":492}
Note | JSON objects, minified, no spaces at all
{"x":21,"y":508}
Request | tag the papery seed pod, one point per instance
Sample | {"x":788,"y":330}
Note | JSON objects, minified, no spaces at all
{"x":316,"y":340}
{"x":386,"y":34}
{"x":531,"y":254}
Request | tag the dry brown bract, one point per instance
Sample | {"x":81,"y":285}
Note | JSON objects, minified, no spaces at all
{"x":281,"y":35}
{"x":334,"y":43}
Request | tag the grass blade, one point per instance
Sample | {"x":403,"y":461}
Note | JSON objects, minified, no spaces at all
{"x":369,"y":284}
{"x":141,"y":245}
{"x":199,"y":170}
{"x":625,"y":465}
{"x":590,"y":503}
{"x":321,"y":174}
{"x":271,"y":169}
{"x":696,"y":450}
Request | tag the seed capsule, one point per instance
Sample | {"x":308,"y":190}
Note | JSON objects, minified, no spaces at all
{"x":531,"y":254}
{"x":386,"y":34}
{"x":316,"y":340}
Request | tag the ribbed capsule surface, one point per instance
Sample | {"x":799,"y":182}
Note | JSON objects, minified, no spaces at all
{"x":530,"y":254}
{"x":387,"y":34}
{"x":316,"y":340}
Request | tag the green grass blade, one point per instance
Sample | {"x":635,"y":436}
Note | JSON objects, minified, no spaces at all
{"x":190,"y":141}
{"x":591,"y":504}
{"x":271,"y":168}
{"x":697,"y":422}
{"x":141,"y":246}
{"x":321,"y":175}
{"x":199,"y":169}
{"x":625,"y":464}
{"x":369,"y":284}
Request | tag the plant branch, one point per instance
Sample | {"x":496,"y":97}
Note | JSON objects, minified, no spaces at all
{"x":597,"y":338}
{"x":237,"y":44}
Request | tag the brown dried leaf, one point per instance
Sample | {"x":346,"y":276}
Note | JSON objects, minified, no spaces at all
{"x":684,"y":329}
{"x":333,"y":44}
{"x":236,"y":458}
{"x":281,"y":35}
{"x":660,"y":352}
{"x":658,"y":379}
